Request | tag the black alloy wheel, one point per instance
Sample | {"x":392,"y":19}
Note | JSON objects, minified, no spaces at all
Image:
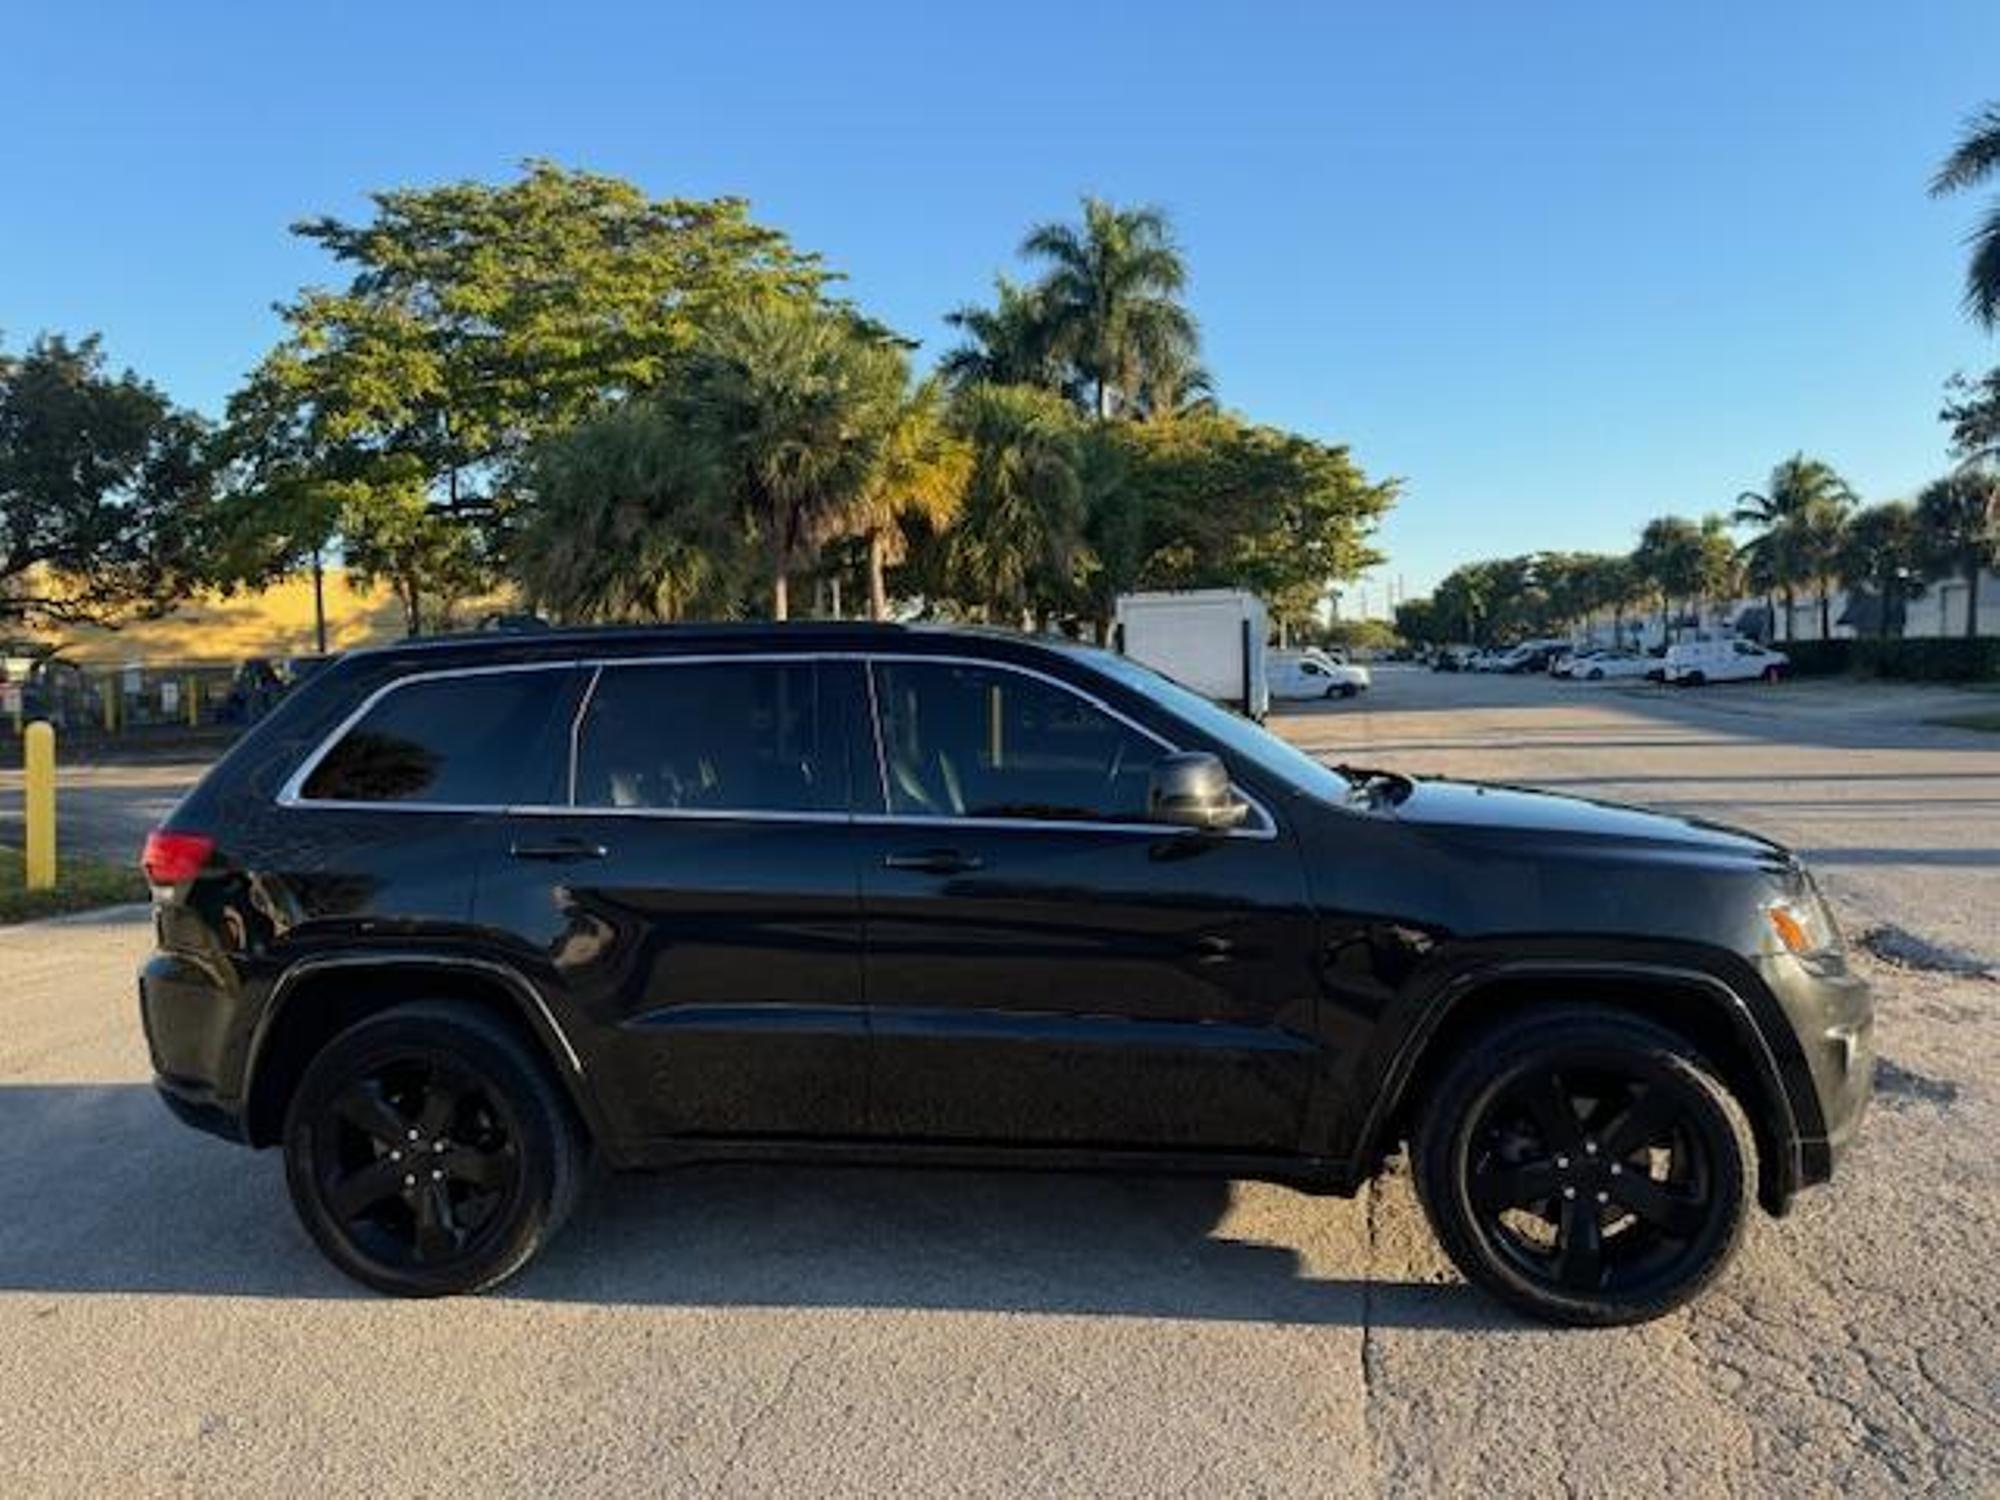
{"x":1587,"y":1166}
{"x":428,"y":1152}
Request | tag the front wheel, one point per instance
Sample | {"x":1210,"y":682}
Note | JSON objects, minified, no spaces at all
{"x":1586,"y":1166}
{"x":1597,"y":674}
{"x":1772,"y":674}
{"x":429,"y":1152}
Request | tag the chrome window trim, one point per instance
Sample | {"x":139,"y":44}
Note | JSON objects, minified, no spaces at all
{"x":290,"y":794}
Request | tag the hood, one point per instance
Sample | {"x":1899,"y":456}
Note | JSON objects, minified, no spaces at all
{"x":1516,"y":813}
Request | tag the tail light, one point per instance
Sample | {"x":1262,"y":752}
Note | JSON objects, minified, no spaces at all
{"x":175,"y":858}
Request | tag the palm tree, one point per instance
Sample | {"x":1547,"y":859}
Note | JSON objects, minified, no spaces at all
{"x":920,"y":473}
{"x":624,"y":520}
{"x":1009,"y":343}
{"x":1959,"y":518}
{"x":1669,"y":561}
{"x":800,"y":402}
{"x":1112,"y":300}
{"x":1718,"y":566}
{"x":1772,"y":558}
{"x":1882,"y":553}
{"x":1019,"y":538}
{"x":1972,"y":161}
{"x":1813,"y":539}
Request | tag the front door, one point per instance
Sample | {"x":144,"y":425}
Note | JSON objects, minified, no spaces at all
{"x":1044,"y":965}
{"x":691,"y":894}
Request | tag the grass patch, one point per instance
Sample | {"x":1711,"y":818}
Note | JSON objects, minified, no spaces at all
{"x":1986,"y":719}
{"x":80,"y":885}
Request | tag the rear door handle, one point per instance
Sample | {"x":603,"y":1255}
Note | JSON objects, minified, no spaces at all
{"x":933,"y":861}
{"x":561,"y":850}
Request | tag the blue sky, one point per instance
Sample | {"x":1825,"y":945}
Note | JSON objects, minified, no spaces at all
{"x":1561,"y":267}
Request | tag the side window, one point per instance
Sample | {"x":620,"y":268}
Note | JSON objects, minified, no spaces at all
{"x":709,"y":736}
{"x":457,"y":740}
{"x":979,"y":742}
{"x":1748,"y":648}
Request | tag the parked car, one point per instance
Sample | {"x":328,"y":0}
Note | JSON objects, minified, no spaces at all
{"x":459,"y":914}
{"x":1312,"y":673}
{"x":1691,"y":663}
{"x":1453,"y":659}
{"x":1605,"y":663}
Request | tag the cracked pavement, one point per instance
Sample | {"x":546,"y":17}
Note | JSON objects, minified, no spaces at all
{"x":166,"y":1328}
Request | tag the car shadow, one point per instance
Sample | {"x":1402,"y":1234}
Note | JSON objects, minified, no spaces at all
{"x":108,"y":1194}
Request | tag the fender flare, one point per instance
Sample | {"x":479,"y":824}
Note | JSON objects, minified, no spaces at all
{"x":529,"y":1003}
{"x":1460,"y":987}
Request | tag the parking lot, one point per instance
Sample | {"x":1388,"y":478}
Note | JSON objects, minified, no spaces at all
{"x":165,"y":1326}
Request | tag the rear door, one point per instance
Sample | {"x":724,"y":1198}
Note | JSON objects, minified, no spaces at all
{"x":691,"y":893}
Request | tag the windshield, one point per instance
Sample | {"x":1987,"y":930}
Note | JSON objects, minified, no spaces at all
{"x":1242,"y":737}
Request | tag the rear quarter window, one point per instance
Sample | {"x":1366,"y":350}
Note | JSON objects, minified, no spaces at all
{"x":469,"y":741}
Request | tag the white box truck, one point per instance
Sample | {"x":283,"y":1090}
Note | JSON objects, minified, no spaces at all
{"x":1210,"y":640}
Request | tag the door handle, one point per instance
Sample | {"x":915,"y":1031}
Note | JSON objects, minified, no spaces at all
{"x":561,"y":850}
{"x":933,"y":861}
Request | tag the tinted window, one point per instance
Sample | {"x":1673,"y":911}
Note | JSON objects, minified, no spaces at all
{"x":720,"y":737}
{"x":965,"y":741}
{"x":463,"y":740}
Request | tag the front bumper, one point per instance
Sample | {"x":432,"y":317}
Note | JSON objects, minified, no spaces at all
{"x":1833,"y":1015}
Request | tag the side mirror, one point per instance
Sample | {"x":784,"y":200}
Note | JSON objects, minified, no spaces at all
{"x":1191,"y":788}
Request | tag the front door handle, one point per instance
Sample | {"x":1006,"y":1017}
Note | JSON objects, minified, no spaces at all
{"x":933,"y":861}
{"x":559,"y":850}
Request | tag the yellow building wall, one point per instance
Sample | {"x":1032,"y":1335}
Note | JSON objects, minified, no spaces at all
{"x":276,"y":622}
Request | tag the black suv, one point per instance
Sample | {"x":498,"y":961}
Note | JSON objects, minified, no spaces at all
{"x":461,"y":912}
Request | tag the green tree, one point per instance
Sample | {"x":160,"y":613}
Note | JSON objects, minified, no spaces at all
{"x":1670,"y":560}
{"x":105,"y":490}
{"x":920,"y":474}
{"x":1973,"y":161}
{"x":1813,"y":540}
{"x":625,"y":518}
{"x":1959,"y":518}
{"x":476,"y":320}
{"x":1421,"y":623}
{"x":1018,"y":550}
{"x":1783,"y":552}
{"x":801,"y":401}
{"x":1009,"y":343}
{"x":1111,"y":301}
{"x":1882,"y":552}
{"x":1210,"y":500}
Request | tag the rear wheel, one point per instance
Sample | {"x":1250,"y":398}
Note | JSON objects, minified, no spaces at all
{"x":428,"y":1152}
{"x":1586,"y":1166}
{"x":1597,"y":674}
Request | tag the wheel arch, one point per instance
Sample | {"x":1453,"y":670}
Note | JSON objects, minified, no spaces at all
{"x":1714,"y":1018}
{"x":317,"y":998}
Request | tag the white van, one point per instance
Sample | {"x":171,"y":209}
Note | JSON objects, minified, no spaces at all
{"x":1692,"y":663}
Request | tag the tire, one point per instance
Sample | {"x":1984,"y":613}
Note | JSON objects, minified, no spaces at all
{"x":432,"y":1082}
{"x":1582,"y":1254}
{"x":1348,"y":690}
{"x":1772,"y":674}
{"x":1695,"y":679}
{"x":1597,"y":674}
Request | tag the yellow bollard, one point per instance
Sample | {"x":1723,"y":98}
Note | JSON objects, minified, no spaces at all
{"x":191,"y":688}
{"x":110,"y":696}
{"x":38,"y":752}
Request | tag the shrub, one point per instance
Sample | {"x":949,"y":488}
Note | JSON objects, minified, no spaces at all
{"x":1926,"y":659}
